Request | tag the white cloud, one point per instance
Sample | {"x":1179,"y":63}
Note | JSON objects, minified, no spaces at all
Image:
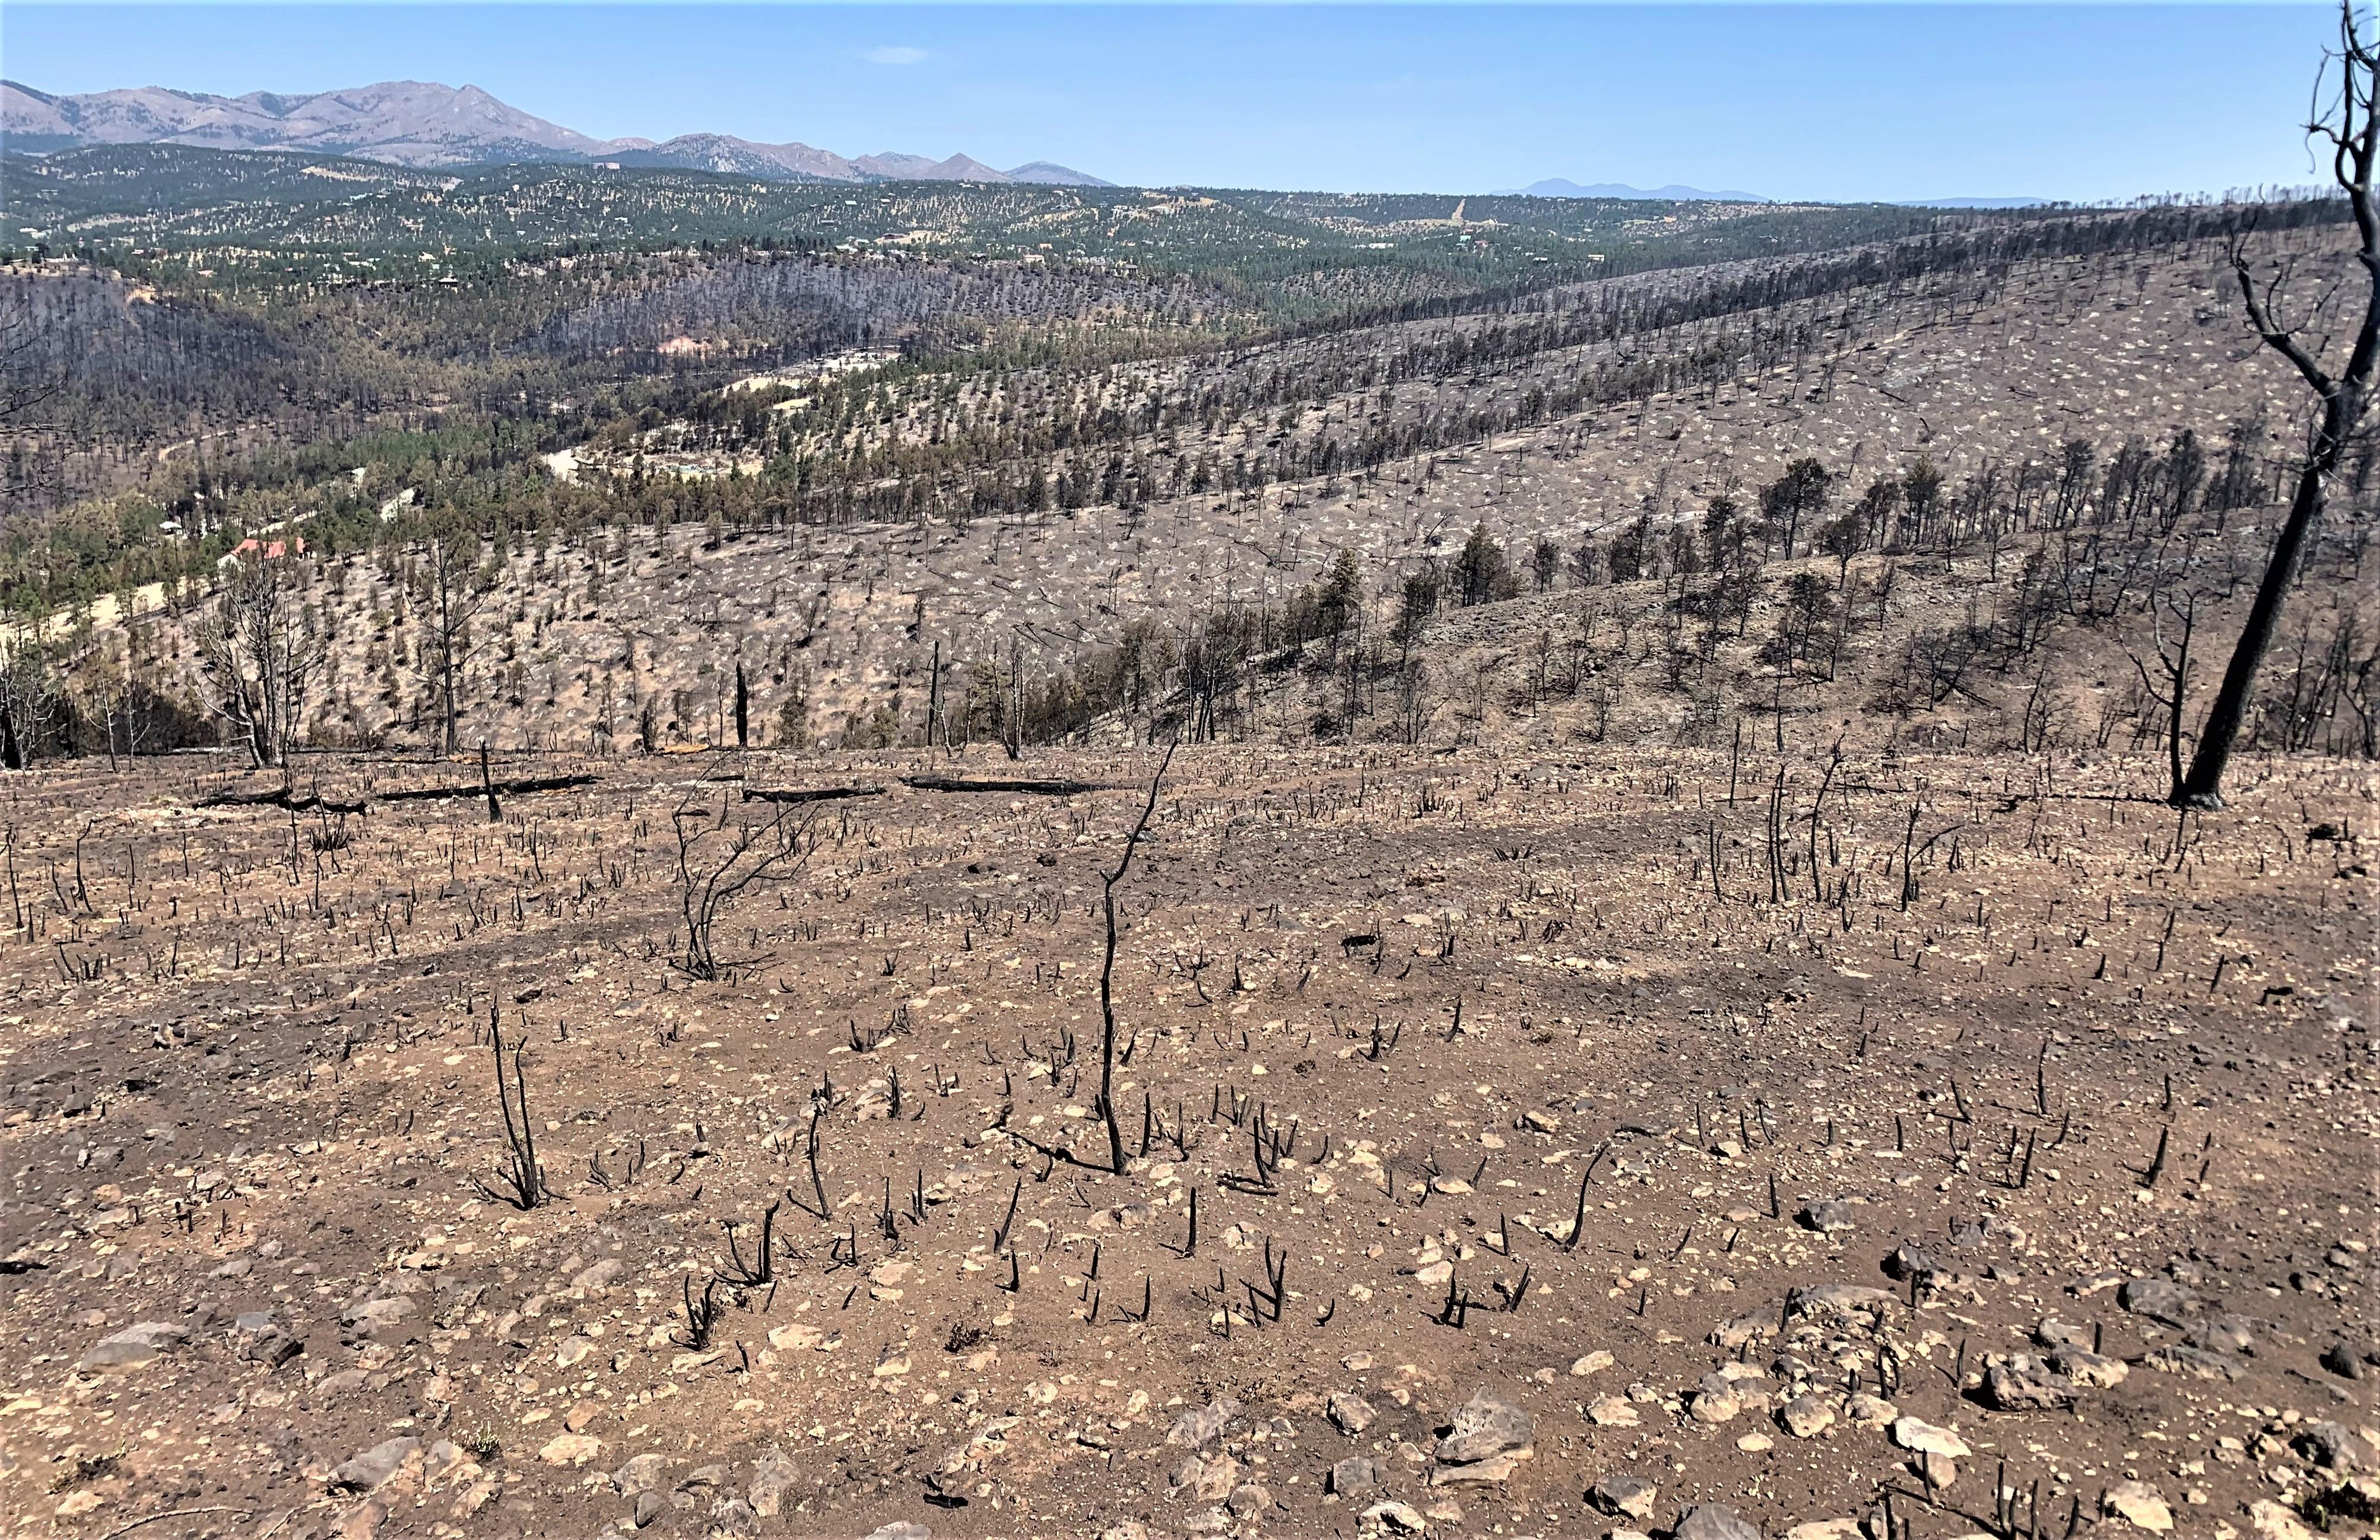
{"x":895,"y":56}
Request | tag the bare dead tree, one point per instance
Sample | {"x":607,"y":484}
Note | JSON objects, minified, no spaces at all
{"x":259,"y":651}
{"x":1106,"y":967}
{"x":709,"y":880}
{"x":2173,"y":662}
{"x":2350,"y":127}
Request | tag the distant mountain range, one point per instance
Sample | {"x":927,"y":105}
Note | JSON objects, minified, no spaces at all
{"x":1558,"y":187}
{"x":416,"y":123}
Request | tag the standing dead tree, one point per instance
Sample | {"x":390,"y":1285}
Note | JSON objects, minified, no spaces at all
{"x":2173,"y":661}
{"x":2350,"y":126}
{"x":1106,"y":967}
{"x":260,"y":650}
{"x":709,"y":880}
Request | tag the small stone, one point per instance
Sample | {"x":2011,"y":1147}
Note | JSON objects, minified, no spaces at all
{"x":1247,"y":1501}
{"x":1488,"y":1471}
{"x":1351,"y":1413}
{"x":1715,"y":1400}
{"x":2275,"y":1521}
{"x":1612,"y":1411}
{"x":1828,"y":1219}
{"x":570,"y":1449}
{"x":901,"y":1529}
{"x":135,"y":1345}
{"x":641,"y":1474}
{"x":2159,"y":1299}
{"x":2138,"y":1504}
{"x":1840,"y":1299}
{"x":1624,"y":1495}
{"x":2176,"y":1358}
{"x":2051,"y":1332}
{"x":2340,"y":1360}
{"x":1590,"y":1363}
{"x":1198,"y":1425}
{"x":1825,"y":1529}
{"x":649,"y":1507}
{"x":1711,"y":1521}
{"x":1356,"y":1474}
{"x":1205,"y":1480}
{"x":1869,"y":1411}
{"x":1486,"y":1426}
{"x":1391,"y":1517}
{"x":2223,"y":1334}
{"x":1909,"y":1260}
{"x":1938,"y":1472}
{"x":593,"y":1278}
{"x":375,"y":1467}
{"x":1925,"y":1439}
{"x":1756,"y":1443}
{"x":1807,"y":1416}
{"x":2085,"y":1368}
{"x":2025,"y":1384}
{"x":773,"y":1476}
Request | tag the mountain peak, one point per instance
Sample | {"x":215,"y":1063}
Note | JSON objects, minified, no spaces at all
{"x":420,"y":123}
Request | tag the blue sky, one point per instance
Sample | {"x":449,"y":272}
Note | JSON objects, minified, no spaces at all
{"x":1831,"y":100}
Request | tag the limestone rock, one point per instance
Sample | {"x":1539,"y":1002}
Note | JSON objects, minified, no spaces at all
{"x":1391,"y":1517}
{"x":1486,"y":1426}
{"x":1351,"y":1413}
{"x":375,"y":1467}
{"x":133,"y":1345}
{"x":2138,"y":1504}
{"x":2176,"y":1358}
{"x":773,"y":1476}
{"x":1828,"y":1219}
{"x":1199,"y":1424}
{"x":1807,"y":1416}
{"x":1353,"y":1474}
{"x":1711,"y":1521}
{"x":2160,"y":1299}
{"x":1205,"y":1480}
{"x":1715,"y":1400}
{"x":1624,"y":1495}
{"x":1612,"y":1411}
{"x":2025,"y":1384}
{"x":1922,"y":1437}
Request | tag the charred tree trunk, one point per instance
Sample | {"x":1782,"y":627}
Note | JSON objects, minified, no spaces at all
{"x":2352,"y":130}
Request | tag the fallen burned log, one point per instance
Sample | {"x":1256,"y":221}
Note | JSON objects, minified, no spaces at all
{"x":1028,"y":788}
{"x":312,"y":802}
{"x":280,"y":796}
{"x":807,"y":794}
{"x":501,"y":788}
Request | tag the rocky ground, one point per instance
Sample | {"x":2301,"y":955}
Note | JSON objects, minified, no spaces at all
{"x":1515,"y":1143}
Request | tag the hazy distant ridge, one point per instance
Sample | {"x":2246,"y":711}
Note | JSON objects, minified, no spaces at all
{"x":1560,"y":187}
{"x":420,"y":123}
